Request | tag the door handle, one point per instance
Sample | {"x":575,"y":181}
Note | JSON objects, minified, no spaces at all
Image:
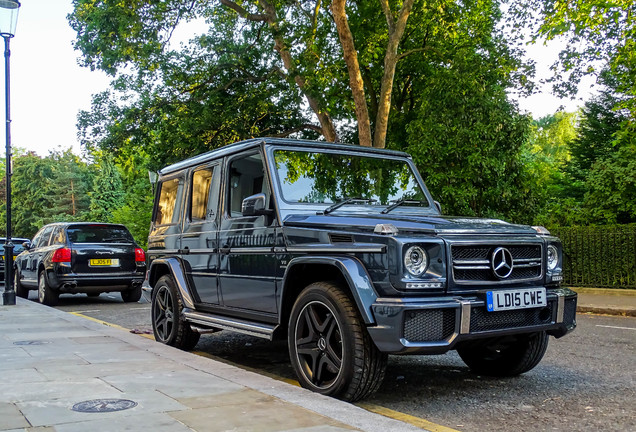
{"x":184,"y":251}
{"x":224,"y":250}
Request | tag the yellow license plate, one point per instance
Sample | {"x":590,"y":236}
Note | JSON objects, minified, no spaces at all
{"x":104,"y":262}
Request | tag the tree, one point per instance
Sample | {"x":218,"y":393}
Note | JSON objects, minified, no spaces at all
{"x":315,"y":45}
{"x":600,"y":35}
{"x":107,"y":193}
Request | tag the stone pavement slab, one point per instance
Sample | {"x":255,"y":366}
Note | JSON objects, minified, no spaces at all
{"x":51,"y":360}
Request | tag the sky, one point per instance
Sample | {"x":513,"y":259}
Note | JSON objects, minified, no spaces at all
{"x":49,"y":88}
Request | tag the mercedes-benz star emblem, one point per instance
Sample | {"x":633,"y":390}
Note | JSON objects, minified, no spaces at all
{"x":501,"y":262}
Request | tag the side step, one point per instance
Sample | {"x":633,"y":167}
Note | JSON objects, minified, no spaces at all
{"x":265,"y":331}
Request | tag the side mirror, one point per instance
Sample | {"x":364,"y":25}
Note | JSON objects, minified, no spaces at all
{"x":438,"y":206}
{"x":255,"y":205}
{"x":26,"y":245}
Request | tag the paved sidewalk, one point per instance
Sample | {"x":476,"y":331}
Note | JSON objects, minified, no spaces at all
{"x":606,"y":301}
{"x":51,"y":360}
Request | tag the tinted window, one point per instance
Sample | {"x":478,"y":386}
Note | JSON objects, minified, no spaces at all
{"x":43,"y":238}
{"x":98,"y":234}
{"x":169,"y":200}
{"x":246,"y":178}
{"x":201,"y":181}
{"x":58,"y":236}
{"x":17,"y":248}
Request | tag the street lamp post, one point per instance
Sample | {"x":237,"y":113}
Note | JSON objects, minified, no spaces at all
{"x":8,"y":21}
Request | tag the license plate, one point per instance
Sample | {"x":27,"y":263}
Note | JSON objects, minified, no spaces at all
{"x":515,"y":299}
{"x":105,"y":262}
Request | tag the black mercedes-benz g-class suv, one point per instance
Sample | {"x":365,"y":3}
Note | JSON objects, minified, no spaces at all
{"x":342,"y":250}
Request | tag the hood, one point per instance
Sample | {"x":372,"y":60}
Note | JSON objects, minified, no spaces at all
{"x":408,"y":223}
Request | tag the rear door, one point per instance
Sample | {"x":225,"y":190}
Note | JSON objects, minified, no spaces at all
{"x":199,"y":247}
{"x":28,"y":264}
{"x":100,"y":249}
{"x":165,"y":229}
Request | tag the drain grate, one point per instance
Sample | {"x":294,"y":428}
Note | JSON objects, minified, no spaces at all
{"x":31,"y":342}
{"x":103,"y":405}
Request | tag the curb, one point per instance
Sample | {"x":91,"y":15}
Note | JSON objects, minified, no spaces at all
{"x":606,"y":291}
{"x":599,"y":310}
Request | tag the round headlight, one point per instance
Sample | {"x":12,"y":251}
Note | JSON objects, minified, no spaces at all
{"x":415,"y":261}
{"x":553,"y":257}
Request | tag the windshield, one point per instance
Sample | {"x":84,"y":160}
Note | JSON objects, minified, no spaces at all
{"x":327,"y":178}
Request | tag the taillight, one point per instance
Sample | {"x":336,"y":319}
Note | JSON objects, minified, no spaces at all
{"x":140,"y":255}
{"x":62,"y":255}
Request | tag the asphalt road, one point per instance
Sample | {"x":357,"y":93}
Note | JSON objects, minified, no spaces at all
{"x":586,"y":381}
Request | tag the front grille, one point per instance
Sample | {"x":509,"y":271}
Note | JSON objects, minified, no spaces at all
{"x":429,"y":325}
{"x":481,"y":320}
{"x":473,"y":263}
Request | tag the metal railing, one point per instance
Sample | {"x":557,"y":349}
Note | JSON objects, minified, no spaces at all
{"x":599,"y":256}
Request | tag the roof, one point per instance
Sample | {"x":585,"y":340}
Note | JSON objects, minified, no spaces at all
{"x":257,"y":142}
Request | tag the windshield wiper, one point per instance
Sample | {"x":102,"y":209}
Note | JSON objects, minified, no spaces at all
{"x":344,"y":202}
{"x":402,"y":202}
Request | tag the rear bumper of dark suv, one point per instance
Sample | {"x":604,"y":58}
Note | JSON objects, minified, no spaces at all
{"x":77,"y":283}
{"x":436,"y":325}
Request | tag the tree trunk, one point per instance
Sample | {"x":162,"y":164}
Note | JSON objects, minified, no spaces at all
{"x":396,"y":31}
{"x":326,"y":124}
{"x":355,"y":77}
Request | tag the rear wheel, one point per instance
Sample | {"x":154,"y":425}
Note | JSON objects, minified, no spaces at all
{"x":330,"y":350}
{"x":168,"y":324}
{"x":507,"y":356}
{"x":20,"y":290}
{"x":132,"y":295}
{"x":46,"y":295}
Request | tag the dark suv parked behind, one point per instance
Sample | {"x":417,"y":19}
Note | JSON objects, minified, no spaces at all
{"x":18,"y":247}
{"x":81,"y":257}
{"x":341,"y":250}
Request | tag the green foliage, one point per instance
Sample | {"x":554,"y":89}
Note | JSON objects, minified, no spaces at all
{"x":107,"y":193}
{"x":599,"y":256}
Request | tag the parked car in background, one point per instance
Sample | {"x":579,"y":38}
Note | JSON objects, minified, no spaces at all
{"x":18,"y":246}
{"x":81,"y":257}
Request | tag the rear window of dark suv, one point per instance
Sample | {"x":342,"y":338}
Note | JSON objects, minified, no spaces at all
{"x":98,"y":234}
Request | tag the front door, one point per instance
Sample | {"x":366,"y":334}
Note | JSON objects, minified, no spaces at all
{"x":247,"y":277}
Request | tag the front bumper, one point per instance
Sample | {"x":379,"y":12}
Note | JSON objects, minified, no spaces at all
{"x":436,"y":325}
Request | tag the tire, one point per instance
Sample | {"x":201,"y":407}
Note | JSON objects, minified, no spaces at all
{"x":20,"y":290}
{"x":132,"y":295}
{"x":46,"y":295}
{"x":505,"y":357}
{"x":168,"y":324}
{"x":330,"y":350}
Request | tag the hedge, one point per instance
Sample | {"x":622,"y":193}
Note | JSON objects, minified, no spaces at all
{"x":599,"y":256}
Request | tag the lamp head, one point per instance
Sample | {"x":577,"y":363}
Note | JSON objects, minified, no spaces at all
{"x":8,"y":17}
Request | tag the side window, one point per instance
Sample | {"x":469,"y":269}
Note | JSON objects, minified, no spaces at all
{"x":201,"y":181}
{"x":169,"y":202}
{"x":246,"y":177}
{"x":43,"y":241}
{"x":58,"y":236}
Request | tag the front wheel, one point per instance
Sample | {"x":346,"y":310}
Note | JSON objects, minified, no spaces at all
{"x":330,"y":350}
{"x":46,"y":295}
{"x":168,"y":324}
{"x":505,"y":357}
